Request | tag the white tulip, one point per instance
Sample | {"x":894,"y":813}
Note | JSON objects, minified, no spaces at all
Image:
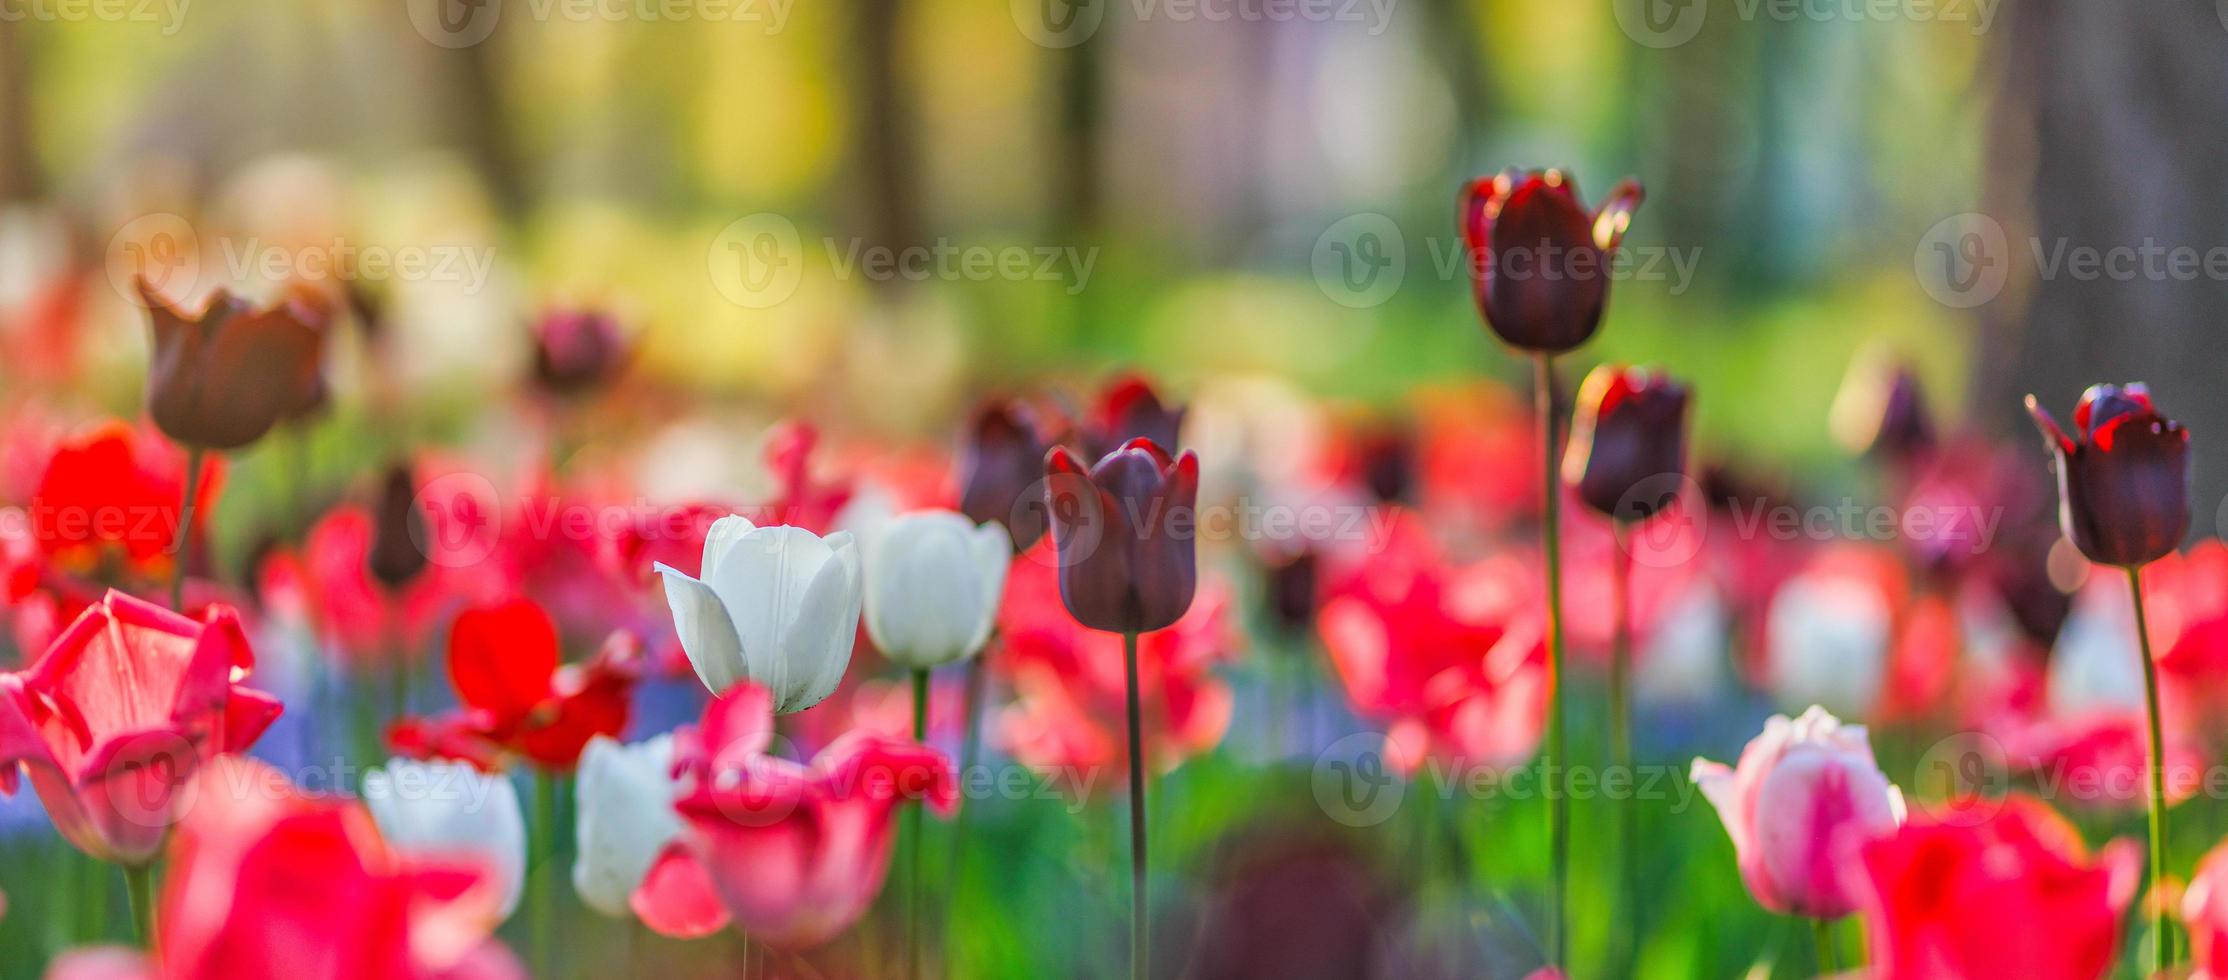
{"x":776,"y":605}
{"x":1829,"y":637}
{"x":447,"y":810}
{"x":933,"y":582}
{"x":626,"y":818}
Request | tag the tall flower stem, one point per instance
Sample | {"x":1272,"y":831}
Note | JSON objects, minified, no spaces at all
{"x":1140,"y":946}
{"x":1829,"y":963}
{"x":139,"y":883}
{"x":1620,"y":741}
{"x":2161,"y":926}
{"x":970,"y":749}
{"x":541,"y":909}
{"x":916,"y":842}
{"x":181,"y":546}
{"x":1553,"y":761}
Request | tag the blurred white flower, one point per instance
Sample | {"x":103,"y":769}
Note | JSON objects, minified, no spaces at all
{"x":450,"y":810}
{"x":625,"y":795}
{"x":1828,"y":635}
{"x":776,"y":605}
{"x":933,"y":582}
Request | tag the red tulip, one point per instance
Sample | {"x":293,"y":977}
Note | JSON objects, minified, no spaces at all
{"x":795,"y":852}
{"x":119,"y":712}
{"x":2123,"y":477}
{"x":221,"y":379}
{"x":1973,"y":895}
{"x":1806,"y":796}
{"x":1453,"y":658}
{"x":1540,"y":261}
{"x":108,"y":502}
{"x":1125,"y":533}
{"x":518,"y":698}
{"x":1128,"y":408}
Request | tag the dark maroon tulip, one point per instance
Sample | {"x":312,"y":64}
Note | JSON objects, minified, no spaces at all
{"x":1627,"y":453}
{"x":1000,"y":467}
{"x":1292,"y":588}
{"x":2123,"y":478}
{"x":398,"y":530}
{"x":1539,"y":261}
{"x":221,"y":379}
{"x":1124,"y":531}
{"x":577,"y":351}
{"x":1386,"y":458}
{"x":1881,"y":411}
{"x":1128,"y":408}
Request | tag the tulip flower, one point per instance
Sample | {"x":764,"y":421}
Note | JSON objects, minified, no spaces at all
{"x":2123,"y":499}
{"x":778,"y":606}
{"x":116,"y":715}
{"x":1880,"y":410}
{"x":1124,"y":533}
{"x":795,"y":852}
{"x":577,"y":351}
{"x":1128,"y":408}
{"x":220,"y":379}
{"x":1627,"y":453}
{"x":2204,"y":910}
{"x":933,"y":582}
{"x":1974,"y":895}
{"x":627,"y":819}
{"x":1805,"y":796}
{"x":108,"y":501}
{"x":1001,"y":470}
{"x":444,"y":810}
{"x":517,"y":698}
{"x":399,"y":541}
{"x":1540,"y":261}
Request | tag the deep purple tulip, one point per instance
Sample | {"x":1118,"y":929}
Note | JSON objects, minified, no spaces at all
{"x":1293,"y":589}
{"x":2123,"y":477}
{"x":1128,"y":408}
{"x":577,"y":351}
{"x":1000,"y":467}
{"x":398,"y":531}
{"x":1124,"y":530}
{"x":1627,"y":453}
{"x":1539,"y":261}
{"x":222,"y":378}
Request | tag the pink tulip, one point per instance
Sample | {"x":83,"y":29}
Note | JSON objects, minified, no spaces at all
{"x":2011,"y":893}
{"x":794,"y":852}
{"x":116,"y":715}
{"x":1806,"y":794}
{"x":2205,"y":911}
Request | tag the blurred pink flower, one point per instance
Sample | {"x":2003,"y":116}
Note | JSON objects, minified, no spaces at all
{"x":1805,"y":796}
{"x":2205,"y":910}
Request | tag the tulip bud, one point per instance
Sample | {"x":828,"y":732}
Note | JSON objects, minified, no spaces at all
{"x":999,"y":468}
{"x":2123,"y":477}
{"x":1124,"y":532}
{"x":577,"y":351}
{"x":220,"y":380}
{"x":1127,"y":409}
{"x":399,"y":535}
{"x":437,"y":810}
{"x":1294,"y":589}
{"x":1880,"y":410}
{"x":776,"y":605}
{"x":1627,"y":437}
{"x":1539,"y":261}
{"x":933,"y":584}
{"x":1805,"y":797}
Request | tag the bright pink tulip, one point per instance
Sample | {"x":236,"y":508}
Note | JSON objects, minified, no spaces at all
{"x":2013,"y":893}
{"x":795,"y":852}
{"x":1805,"y":796}
{"x":119,"y":712}
{"x":2205,"y":912}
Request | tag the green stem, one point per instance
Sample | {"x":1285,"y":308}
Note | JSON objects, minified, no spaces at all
{"x":1140,"y":946}
{"x":181,"y":544}
{"x":917,"y":843}
{"x":2162,"y":927}
{"x":1553,"y":761}
{"x":970,"y":751}
{"x":1620,"y":738}
{"x":540,"y":913}
{"x":1829,"y":963}
{"x":139,"y":883}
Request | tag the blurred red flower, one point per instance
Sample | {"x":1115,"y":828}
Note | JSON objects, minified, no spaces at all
{"x":107,"y":504}
{"x":518,"y":699}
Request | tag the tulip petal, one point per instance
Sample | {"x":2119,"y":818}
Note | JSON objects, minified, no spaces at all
{"x":626,"y":819}
{"x":1615,"y":214}
{"x":989,"y":544}
{"x":501,"y":657}
{"x":450,"y":810}
{"x":721,"y":539}
{"x":763,"y":580}
{"x":707,"y":635}
{"x":819,"y":646}
{"x":924,"y":590}
{"x":676,"y":898}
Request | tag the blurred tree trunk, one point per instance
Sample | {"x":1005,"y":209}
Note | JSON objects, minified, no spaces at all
{"x":483,"y":129}
{"x":19,"y":160}
{"x":1075,"y":168}
{"x":888,"y":153}
{"x":2106,"y":135}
